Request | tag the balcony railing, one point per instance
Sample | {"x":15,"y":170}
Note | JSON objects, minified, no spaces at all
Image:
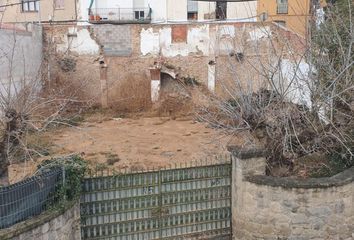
{"x":119,"y":15}
{"x":282,"y":8}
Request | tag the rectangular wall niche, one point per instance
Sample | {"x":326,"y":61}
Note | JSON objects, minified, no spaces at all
{"x":179,"y":34}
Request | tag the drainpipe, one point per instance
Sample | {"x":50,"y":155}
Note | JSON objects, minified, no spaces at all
{"x":90,"y":6}
{"x":39,"y":12}
{"x":75,"y":10}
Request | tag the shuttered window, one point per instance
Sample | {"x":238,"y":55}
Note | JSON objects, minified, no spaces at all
{"x":59,"y":4}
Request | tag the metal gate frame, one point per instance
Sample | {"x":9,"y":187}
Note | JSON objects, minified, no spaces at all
{"x":179,"y":203}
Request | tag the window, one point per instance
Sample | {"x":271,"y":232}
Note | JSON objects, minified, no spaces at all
{"x":30,"y":5}
{"x":139,"y":15}
{"x":2,"y":3}
{"x":59,"y":4}
{"x":280,"y":22}
{"x":192,"y":10}
{"x":192,"y":16}
{"x":282,"y":6}
{"x":221,"y":10}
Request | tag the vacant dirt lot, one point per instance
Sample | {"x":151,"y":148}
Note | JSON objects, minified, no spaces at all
{"x":136,"y":144}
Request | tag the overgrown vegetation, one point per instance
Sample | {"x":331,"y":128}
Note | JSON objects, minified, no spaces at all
{"x":74,"y":168}
{"x":45,"y":96}
{"x":307,"y":105}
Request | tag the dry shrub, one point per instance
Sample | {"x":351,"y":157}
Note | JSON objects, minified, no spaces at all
{"x":131,"y":95}
{"x":175,"y":98}
{"x":73,"y":88}
{"x":174,"y":105}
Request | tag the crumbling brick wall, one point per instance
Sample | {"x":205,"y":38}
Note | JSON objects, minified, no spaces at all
{"x":237,"y":49}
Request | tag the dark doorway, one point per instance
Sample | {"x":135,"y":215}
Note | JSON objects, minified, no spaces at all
{"x":221,"y":9}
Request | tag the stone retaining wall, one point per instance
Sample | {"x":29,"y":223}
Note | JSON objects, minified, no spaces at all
{"x":52,"y":225}
{"x":265,"y":207}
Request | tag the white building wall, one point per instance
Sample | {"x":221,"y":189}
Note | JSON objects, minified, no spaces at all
{"x":204,"y":9}
{"x":176,"y":10}
{"x":241,"y":10}
{"x":159,"y":13}
{"x":83,"y":11}
{"x":172,"y":10}
{"x":114,"y":4}
{"x":235,"y":10}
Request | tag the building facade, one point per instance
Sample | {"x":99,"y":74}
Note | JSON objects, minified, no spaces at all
{"x":295,"y":15}
{"x":38,"y":11}
{"x":125,"y":11}
{"x":162,"y":11}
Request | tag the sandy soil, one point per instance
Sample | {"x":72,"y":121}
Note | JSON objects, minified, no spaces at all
{"x":135,"y":144}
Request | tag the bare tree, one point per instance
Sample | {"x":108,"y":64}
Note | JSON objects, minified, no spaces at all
{"x":303,"y":102}
{"x":36,"y":91}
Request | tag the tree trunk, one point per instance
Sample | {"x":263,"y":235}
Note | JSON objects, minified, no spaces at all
{"x":10,"y":140}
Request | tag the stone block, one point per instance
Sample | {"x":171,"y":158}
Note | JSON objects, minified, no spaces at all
{"x":318,"y":224}
{"x":45,"y":228}
{"x":319,"y":211}
{"x":299,"y":219}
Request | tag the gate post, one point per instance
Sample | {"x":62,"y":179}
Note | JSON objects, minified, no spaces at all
{"x":245,"y":161}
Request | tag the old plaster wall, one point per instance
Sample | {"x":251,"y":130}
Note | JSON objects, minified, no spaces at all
{"x":231,"y":52}
{"x":264,"y":207}
{"x":77,"y":44}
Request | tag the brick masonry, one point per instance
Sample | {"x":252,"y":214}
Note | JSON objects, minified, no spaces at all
{"x":188,"y":47}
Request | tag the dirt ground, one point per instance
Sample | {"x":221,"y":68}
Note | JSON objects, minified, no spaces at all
{"x":135,"y":144}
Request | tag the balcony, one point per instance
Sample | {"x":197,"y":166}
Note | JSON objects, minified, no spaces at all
{"x":119,"y":15}
{"x":282,"y":8}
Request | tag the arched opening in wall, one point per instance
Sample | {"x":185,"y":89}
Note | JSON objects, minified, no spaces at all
{"x":171,"y":86}
{"x":175,"y":99}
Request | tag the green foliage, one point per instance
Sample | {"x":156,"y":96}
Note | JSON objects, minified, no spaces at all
{"x":332,"y":55}
{"x":338,"y":162}
{"x":74,"y":168}
{"x":332,"y":43}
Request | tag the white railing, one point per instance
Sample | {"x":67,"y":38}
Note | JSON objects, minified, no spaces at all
{"x":119,"y":14}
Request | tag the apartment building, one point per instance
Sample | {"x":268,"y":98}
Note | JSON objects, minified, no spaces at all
{"x":168,"y":10}
{"x":126,"y":11}
{"x":38,"y":11}
{"x":295,"y":15}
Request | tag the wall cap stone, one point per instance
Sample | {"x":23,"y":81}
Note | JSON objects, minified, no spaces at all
{"x":340,"y":179}
{"x":31,"y":223}
{"x":245,"y":152}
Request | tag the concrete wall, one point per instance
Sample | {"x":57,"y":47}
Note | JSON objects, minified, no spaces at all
{"x":21,"y":56}
{"x":265,"y":207}
{"x":114,"y":39}
{"x":52,"y":225}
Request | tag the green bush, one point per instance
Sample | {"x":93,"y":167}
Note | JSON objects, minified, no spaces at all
{"x":74,"y":168}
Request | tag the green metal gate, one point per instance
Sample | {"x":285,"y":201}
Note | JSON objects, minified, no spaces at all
{"x":182,"y":203}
